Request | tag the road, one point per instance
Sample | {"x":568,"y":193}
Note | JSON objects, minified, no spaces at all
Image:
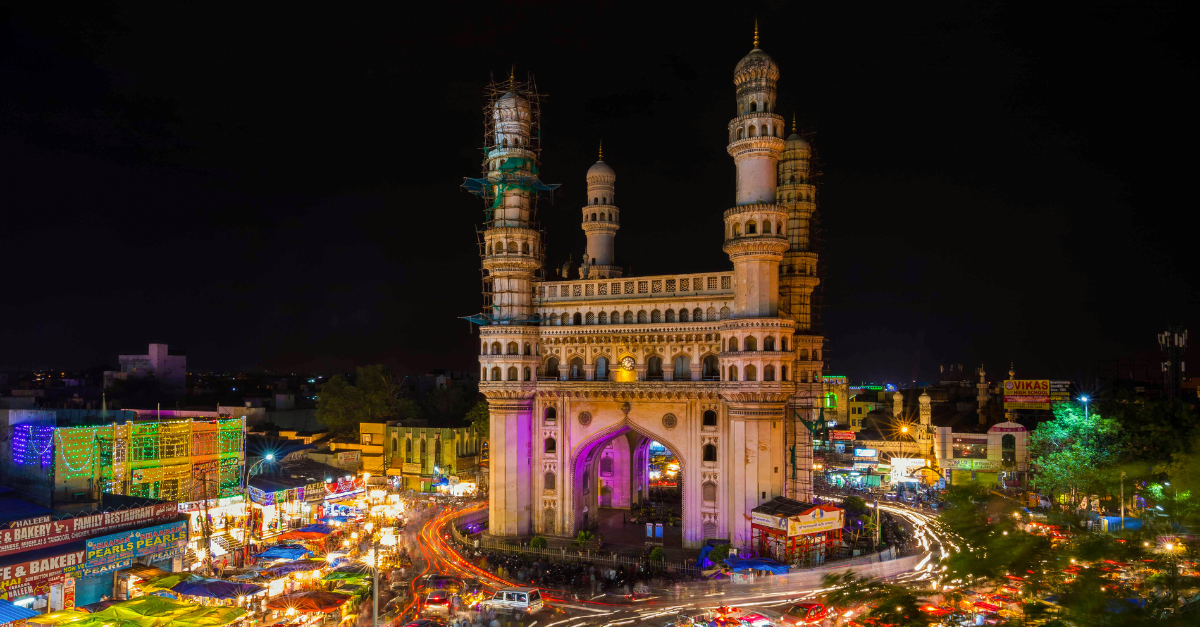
{"x":772,"y":596}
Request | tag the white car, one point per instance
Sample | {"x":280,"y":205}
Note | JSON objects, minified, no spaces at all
{"x":515,"y":600}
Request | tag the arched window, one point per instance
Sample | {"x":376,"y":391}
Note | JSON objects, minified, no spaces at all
{"x":750,"y":344}
{"x":602,"y":318}
{"x":576,"y":369}
{"x":768,"y":373}
{"x":525,"y":248}
{"x":710,"y":452}
{"x":512,"y":373}
{"x":751,"y":227}
{"x":816,"y":354}
{"x":590,"y":319}
{"x":670,"y":316}
{"x":710,"y":371}
{"x":711,"y":314}
{"x":587,"y":482}
{"x":552,"y":367}
{"x":783,"y":342}
{"x":733,"y":373}
{"x":724,"y":313}
{"x":737,"y":230}
{"x":504,"y":142}
{"x":596,"y":200}
{"x":408,"y":450}
{"x":709,"y":491}
{"x":602,"y":369}
{"x":551,"y":414}
{"x":654,"y":369}
{"x":753,"y":106}
{"x":528,"y":374}
{"x":606,"y":466}
{"x":628,"y":317}
{"x":422,"y":451}
{"x":769,"y":343}
{"x":528,"y":349}
{"x":437,"y":452}
{"x":683,"y":368}
{"x":495,"y":348}
{"x":751,"y":373}
{"x":641,"y":317}
{"x":783,"y":373}
{"x":483,"y":349}
{"x":683,"y":315}
{"x":733,"y":344}
{"x":566,"y":319}
{"x":697,"y":315}
{"x":804,"y":354}
{"x":496,"y":374}
{"x":614,"y":318}
{"x":739,"y":133}
{"x":764,"y":131}
{"x":753,"y":131}
{"x":577,"y":319}
{"x":513,"y":349}
{"x":489,"y":248}
{"x":710,"y":418}
{"x":779,"y":229}
{"x":709,"y":529}
{"x":393,"y":446}
{"x":656,"y":316}
{"x":766,"y":227}
{"x":551,"y":447}
{"x":593,"y":217}
{"x":1008,"y":449}
{"x":549,"y":481}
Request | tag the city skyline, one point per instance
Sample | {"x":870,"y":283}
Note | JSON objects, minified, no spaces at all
{"x":287,"y":202}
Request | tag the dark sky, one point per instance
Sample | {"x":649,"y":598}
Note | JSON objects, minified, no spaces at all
{"x":277,"y":186}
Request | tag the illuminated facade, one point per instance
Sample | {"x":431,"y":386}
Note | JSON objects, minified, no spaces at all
{"x":583,"y":374}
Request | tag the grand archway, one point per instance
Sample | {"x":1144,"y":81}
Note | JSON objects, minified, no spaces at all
{"x":615,"y":495}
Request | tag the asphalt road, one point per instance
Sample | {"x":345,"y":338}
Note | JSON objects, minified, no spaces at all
{"x":769,"y":596}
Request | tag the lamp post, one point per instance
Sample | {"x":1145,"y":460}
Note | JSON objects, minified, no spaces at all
{"x":1122,"y":500}
{"x":1085,"y":406}
{"x":246,"y":483}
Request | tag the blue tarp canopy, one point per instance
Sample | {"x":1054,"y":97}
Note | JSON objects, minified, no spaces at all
{"x":703,"y":561}
{"x":316,"y":528}
{"x":1131,"y":524}
{"x":284,"y":552}
{"x":758,"y":563}
{"x":10,"y":612}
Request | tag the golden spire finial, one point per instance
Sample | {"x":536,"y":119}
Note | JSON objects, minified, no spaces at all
{"x":602,"y":150}
{"x":793,"y":122}
{"x":756,"y":32}
{"x":512,"y":74}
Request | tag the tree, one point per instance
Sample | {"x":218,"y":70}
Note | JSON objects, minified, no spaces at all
{"x":887,"y":604}
{"x":719,"y":553}
{"x":1074,"y":452}
{"x":538,"y":542}
{"x":374,"y":397}
{"x":480,"y":417}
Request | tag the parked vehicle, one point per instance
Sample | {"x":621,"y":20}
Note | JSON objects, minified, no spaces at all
{"x":516,"y":601}
{"x":807,"y":614}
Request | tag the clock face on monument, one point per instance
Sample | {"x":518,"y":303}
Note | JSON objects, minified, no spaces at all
{"x":627,"y":363}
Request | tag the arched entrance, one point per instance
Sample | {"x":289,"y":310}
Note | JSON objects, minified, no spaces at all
{"x":619,"y":484}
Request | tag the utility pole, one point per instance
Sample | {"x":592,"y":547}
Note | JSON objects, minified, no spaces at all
{"x":1122,"y":500}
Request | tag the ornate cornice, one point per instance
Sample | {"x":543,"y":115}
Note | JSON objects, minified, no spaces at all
{"x":772,"y":246}
{"x":758,"y":207}
{"x":773,"y":146}
{"x":643,"y":390}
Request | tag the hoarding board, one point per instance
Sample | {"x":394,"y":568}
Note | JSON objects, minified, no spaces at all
{"x":1027,"y":394}
{"x":40,"y":532}
{"x":866,"y":452}
{"x":841,"y":435}
{"x":127,"y":545}
{"x":1060,"y":391}
{"x":767,"y":520}
{"x":36,"y":576}
{"x":814,"y":521}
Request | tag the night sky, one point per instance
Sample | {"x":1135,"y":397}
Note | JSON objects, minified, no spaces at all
{"x":278,"y":187}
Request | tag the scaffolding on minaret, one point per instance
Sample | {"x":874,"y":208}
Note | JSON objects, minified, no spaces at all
{"x":514,"y":173}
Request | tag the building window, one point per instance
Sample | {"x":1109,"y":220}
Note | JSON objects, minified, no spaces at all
{"x":408,"y":450}
{"x":710,"y":452}
{"x":629,"y":287}
{"x":969,"y":448}
{"x":1008,"y":448}
{"x":603,"y":289}
{"x":577,"y":290}
{"x":710,"y":371}
{"x":712,"y":282}
{"x":552,"y":367}
{"x":656,"y":316}
{"x":670,"y":285}
{"x":549,"y":481}
{"x":590,"y":319}
{"x":683,"y":284}
{"x":606,"y":466}
{"x":589,"y":290}
{"x":366,"y":438}
{"x":551,"y":414}
{"x":656,"y":286}
{"x":641,"y":317}
{"x":726,"y":283}
{"x":710,"y":418}
{"x":751,"y":373}
{"x":551,"y":447}
{"x":643,"y":287}
{"x":654,"y":371}
{"x":709,"y":491}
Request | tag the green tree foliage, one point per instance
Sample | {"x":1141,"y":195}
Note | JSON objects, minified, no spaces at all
{"x":719,"y":553}
{"x":855,"y":506}
{"x":1074,"y":453}
{"x":656,"y":554}
{"x":538,"y":542}
{"x":374,"y":396}
{"x":993,"y":544}
{"x":480,"y":417}
{"x":886,"y":604}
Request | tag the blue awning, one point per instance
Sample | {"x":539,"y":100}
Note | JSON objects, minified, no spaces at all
{"x":10,"y":612}
{"x":737,"y":563}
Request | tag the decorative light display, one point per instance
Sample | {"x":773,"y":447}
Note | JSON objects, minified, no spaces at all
{"x":32,"y":445}
{"x":77,"y":450}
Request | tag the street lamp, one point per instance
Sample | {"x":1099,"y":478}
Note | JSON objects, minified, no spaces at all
{"x":1085,"y":406}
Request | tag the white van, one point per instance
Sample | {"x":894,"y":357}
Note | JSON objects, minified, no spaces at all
{"x":515,"y":600}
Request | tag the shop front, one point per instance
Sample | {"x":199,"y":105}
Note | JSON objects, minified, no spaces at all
{"x":967,"y":471}
{"x":792,"y":531}
{"x":228,"y":519}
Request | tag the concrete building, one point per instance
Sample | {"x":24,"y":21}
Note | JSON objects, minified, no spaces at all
{"x":168,"y":367}
{"x":720,"y":367}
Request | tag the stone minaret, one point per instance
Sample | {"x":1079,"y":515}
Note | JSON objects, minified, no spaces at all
{"x":897,"y":405}
{"x":981,"y":395}
{"x":601,"y":219}
{"x":757,"y":380}
{"x":509,"y":336}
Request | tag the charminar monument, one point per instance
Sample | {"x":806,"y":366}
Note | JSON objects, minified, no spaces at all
{"x":581,"y":374}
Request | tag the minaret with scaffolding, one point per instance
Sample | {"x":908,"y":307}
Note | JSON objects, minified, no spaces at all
{"x":510,"y":245}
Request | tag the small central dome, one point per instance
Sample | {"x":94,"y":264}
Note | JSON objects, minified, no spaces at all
{"x":601,"y":169}
{"x":756,"y":64}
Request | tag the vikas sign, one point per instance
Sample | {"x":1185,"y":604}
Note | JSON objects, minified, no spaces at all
{"x":1027,"y":394}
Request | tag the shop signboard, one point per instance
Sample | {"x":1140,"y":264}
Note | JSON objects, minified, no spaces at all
{"x":1027,"y":394}
{"x":41,"y":532}
{"x":815,"y":520}
{"x":767,"y":520}
{"x":100,"y":570}
{"x":866,"y":452}
{"x":970,"y":464}
{"x":1060,"y":391}
{"x":349,"y":456}
{"x":841,"y":435}
{"x":125,"y":546}
{"x":36,"y":576}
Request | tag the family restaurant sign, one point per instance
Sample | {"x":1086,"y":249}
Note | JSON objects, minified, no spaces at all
{"x":41,"y":532}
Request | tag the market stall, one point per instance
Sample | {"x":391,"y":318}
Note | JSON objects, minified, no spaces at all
{"x":792,"y":531}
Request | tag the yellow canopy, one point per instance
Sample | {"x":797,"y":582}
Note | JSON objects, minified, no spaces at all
{"x":57,"y":618}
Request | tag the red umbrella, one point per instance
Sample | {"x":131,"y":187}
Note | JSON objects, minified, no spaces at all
{"x":310,"y":601}
{"x":979,"y":604}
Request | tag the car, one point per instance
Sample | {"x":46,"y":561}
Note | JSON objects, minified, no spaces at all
{"x":807,"y":613}
{"x":515,"y":601}
{"x":424,"y":622}
{"x":437,"y":602}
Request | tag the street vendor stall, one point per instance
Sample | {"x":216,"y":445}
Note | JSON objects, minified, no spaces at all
{"x":792,"y":531}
